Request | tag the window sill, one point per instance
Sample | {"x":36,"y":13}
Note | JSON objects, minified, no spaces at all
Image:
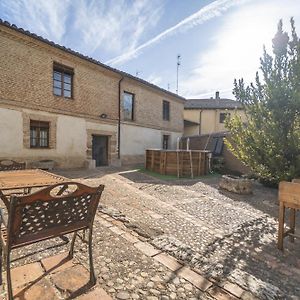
{"x":45,"y":148}
{"x":62,"y":97}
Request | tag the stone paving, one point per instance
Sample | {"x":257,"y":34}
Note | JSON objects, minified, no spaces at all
{"x":181,"y":239}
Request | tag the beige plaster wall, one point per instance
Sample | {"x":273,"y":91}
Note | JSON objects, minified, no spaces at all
{"x":71,"y":137}
{"x":11,"y":128}
{"x":136,"y":139}
{"x":209,"y":120}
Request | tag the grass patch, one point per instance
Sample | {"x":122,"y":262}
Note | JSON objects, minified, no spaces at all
{"x":174,"y":177}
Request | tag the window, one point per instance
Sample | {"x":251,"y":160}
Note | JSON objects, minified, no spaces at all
{"x":165,"y":142}
{"x":223,"y":116}
{"x":39,"y":134}
{"x":128,"y":105}
{"x":166,"y":110}
{"x":62,"y":81}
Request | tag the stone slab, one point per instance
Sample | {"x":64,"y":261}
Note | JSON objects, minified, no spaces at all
{"x":71,"y":279}
{"x":57,"y":263}
{"x":42,"y":289}
{"x":25,"y":274}
{"x":194,"y":278}
{"x":168,"y":261}
{"x":146,"y":248}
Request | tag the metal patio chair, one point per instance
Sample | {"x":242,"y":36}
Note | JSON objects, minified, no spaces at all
{"x":10,"y":165}
{"x":57,"y":210}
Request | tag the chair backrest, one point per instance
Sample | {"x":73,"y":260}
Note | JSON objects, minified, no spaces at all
{"x":8,"y":165}
{"x":289,"y":193}
{"x":56,"y":210}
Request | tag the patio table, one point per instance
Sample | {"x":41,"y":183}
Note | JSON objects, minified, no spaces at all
{"x":21,"y":179}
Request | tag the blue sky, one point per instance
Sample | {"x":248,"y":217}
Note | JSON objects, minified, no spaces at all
{"x":217,"y":40}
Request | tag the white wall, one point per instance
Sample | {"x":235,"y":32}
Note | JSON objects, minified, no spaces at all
{"x":71,"y":138}
{"x":11,"y":132}
{"x":135,"y":139}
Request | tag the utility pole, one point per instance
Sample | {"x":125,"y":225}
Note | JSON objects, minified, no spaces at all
{"x":178,"y":64}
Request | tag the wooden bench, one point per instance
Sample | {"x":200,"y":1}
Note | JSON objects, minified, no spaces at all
{"x":289,"y":197}
{"x":54,"y":211}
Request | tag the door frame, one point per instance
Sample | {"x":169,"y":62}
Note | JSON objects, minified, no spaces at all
{"x":112,"y":143}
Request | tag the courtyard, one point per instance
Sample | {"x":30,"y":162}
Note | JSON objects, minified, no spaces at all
{"x":170,"y":239}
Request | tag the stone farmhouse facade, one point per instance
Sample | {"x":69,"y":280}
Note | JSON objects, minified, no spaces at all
{"x":56,"y":104}
{"x":207,"y":116}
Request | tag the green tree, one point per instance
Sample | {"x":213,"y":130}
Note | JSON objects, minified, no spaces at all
{"x":269,"y":141}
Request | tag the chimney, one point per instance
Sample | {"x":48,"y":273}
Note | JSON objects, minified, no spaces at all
{"x":217,"y":95}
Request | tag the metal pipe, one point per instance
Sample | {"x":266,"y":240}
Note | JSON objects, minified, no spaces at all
{"x":178,"y":143}
{"x":119,"y":119}
{"x":188,"y":144}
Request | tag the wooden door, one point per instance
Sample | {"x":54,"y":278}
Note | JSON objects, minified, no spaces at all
{"x":100,"y":150}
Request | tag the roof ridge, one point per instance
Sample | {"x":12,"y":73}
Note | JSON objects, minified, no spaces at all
{"x":85,"y":57}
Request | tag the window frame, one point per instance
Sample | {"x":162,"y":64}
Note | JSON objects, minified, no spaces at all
{"x":132,"y":106}
{"x":63,"y":70}
{"x":167,"y":140}
{"x":166,"y":110}
{"x":38,"y":125}
{"x":223,"y":116}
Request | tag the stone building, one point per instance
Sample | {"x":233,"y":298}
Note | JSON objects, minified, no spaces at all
{"x":57,"y":104}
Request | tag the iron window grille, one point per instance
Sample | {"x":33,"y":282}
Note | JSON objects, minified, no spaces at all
{"x":165,"y":141}
{"x":39,"y":134}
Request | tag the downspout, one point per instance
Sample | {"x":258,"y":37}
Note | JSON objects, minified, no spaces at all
{"x":119,"y":119}
{"x":200,"y":120}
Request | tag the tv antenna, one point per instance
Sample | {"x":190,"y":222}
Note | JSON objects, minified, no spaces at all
{"x":178,"y":64}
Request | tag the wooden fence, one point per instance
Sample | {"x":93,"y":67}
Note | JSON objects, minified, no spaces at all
{"x":183,"y":163}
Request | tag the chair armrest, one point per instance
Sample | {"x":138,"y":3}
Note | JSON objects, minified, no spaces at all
{"x":5,"y":200}
{"x":2,"y":218}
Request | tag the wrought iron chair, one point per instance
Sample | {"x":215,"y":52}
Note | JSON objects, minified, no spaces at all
{"x":9,"y":165}
{"x":60,"y":209}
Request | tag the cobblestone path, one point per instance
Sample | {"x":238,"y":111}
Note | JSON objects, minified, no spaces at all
{"x":185,"y":240}
{"x":225,"y":238}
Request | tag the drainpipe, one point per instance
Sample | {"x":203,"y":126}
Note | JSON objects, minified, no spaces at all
{"x":200,"y":119}
{"x":119,"y":119}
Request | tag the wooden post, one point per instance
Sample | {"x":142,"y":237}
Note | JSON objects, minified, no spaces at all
{"x":199,"y":164}
{"x":152,"y":161}
{"x":292,"y":223}
{"x":281,"y":226}
{"x":191,"y":164}
{"x":177,"y":158}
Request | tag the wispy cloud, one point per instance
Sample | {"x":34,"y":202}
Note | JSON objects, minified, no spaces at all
{"x":86,"y":25}
{"x":155,"y":79}
{"x":206,"y":13}
{"x":236,"y":48}
{"x":47,"y":18}
{"x":115,"y":26}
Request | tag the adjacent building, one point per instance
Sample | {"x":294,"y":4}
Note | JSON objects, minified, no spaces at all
{"x":60,"y":105}
{"x":207,"y":116}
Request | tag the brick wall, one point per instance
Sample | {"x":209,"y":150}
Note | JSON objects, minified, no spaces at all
{"x":26,"y":68}
{"x":148,"y":108}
